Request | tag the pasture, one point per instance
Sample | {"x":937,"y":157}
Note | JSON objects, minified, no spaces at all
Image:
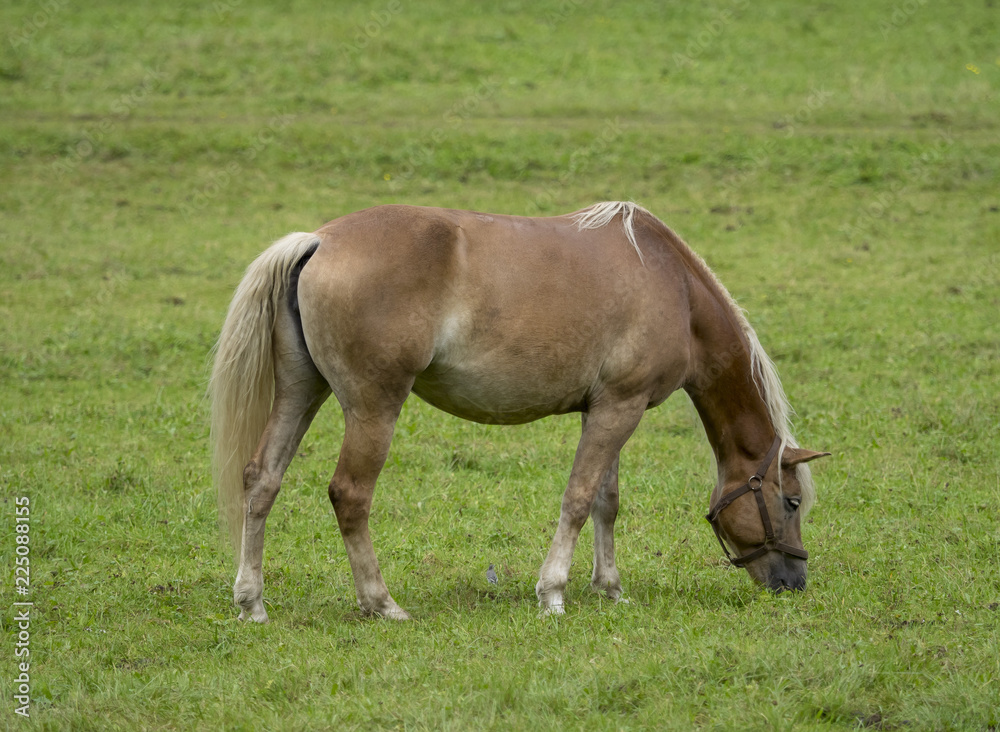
{"x":835,"y":164}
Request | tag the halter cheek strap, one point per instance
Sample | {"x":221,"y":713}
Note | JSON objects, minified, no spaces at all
{"x":754,"y":485}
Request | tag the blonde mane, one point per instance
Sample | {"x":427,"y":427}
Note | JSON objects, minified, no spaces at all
{"x":765,"y":375}
{"x":601,"y":214}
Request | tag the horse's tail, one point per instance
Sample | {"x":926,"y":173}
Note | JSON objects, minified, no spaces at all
{"x":242,"y":382}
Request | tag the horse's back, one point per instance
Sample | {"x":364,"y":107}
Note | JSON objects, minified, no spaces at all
{"x":497,"y":318}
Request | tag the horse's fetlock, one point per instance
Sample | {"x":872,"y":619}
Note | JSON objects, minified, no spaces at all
{"x":247,"y":594}
{"x":547,"y":587}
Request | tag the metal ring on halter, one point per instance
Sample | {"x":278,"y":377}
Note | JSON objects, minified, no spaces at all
{"x":760,"y":482}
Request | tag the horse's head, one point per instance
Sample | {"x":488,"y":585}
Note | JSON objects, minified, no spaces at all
{"x":761,"y":520}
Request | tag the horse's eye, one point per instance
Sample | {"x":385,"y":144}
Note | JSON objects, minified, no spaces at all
{"x":793,"y":503}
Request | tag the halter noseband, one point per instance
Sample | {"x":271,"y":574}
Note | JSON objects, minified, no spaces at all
{"x":753,"y":485}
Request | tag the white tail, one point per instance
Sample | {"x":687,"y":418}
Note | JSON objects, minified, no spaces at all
{"x":242,"y":382}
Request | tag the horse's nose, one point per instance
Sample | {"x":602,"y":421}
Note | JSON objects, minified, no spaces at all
{"x":798,"y":584}
{"x":788,"y":580}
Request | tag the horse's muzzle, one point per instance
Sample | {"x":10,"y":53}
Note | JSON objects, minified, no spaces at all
{"x":785,"y":573}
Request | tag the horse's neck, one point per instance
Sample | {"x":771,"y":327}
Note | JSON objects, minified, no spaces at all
{"x":723,"y":390}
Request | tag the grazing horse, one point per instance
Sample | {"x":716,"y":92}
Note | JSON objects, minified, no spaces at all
{"x":501,"y":320}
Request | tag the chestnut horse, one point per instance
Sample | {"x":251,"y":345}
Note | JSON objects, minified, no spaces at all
{"x":501,"y":320}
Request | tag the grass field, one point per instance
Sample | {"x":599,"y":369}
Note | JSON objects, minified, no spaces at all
{"x":836,"y":164}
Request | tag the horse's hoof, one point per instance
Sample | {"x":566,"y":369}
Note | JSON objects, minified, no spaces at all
{"x":257,"y":617}
{"x":389,"y":611}
{"x":255,"y":612}
{"x":614,"y":595}
{"x":395,"y":613}
{"x":612,"y":589}
{"x":550,"y":610}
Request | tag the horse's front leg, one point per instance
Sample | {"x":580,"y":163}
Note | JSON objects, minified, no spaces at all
{"x":606,"y":428}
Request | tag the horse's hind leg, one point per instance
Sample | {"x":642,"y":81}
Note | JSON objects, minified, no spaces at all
{"x":603,"y":513}
{"x":367,"y":434}
{"x":299,"y":393}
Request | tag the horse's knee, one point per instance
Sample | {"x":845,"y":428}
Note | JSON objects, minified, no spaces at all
{"x":605,"y":508}
{"x":606,"y":501}
{"x":578,"y":501}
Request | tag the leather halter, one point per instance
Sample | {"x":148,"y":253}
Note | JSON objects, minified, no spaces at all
{"x":754,"y":485}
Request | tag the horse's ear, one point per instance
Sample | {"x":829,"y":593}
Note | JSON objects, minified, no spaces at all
{"x":794,"y":455}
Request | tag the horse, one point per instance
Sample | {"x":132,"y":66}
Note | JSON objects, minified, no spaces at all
{"x":500,"y":320}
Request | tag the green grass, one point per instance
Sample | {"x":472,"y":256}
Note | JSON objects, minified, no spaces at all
{"x":837,"y":165}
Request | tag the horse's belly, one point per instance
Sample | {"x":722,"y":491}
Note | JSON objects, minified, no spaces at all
{"x":499,"y":396}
